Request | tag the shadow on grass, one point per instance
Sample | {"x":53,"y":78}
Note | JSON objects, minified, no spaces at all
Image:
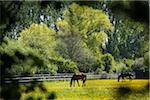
{"x":30,"y":98}
{"x":126,"y":92}
{"x":123,"y":91}
{"x":11,"y":91}
{"x":147,"y":87}
{"x":52,"y":96}
{"x":31,"y":87}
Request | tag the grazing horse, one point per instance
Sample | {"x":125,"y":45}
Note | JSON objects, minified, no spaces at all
{"x":78,"y":77}
{"x":123,"y":75}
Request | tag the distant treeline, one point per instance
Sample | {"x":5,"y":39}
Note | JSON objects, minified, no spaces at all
{"x":54,"y":37}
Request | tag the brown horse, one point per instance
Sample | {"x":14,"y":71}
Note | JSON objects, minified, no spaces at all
{"x":78,"y":77}
{"x":123,"y":75}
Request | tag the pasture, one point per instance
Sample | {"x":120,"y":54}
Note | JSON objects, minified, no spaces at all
{"x":94,"y":90}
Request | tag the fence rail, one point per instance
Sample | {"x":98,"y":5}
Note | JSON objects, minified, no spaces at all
{"x":59,"y":76}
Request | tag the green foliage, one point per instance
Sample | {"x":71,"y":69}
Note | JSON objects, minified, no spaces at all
{"x":138,"y":65}
{"x":84,"y":34}
{"x":8,"y":16}
{"x":137,"y":10}
{"x":50,"y":13}
{"x":121,"y":67}
{"x":81,"y":33}
{"x":146,"y":59}
{"x":23,"y":59}
{"x":99,"y":71}
{"x":128,"y":63}
{"x":127,"y":40}
{"x":65,"y":65}
{"x":40,"y":38}
{"x":21,"y":14}
{"x":26,"y":14}
{"x":62,"y":36}
{"x":69,"y":66}
{"x":141,"y":64}
{"x":124,"y":65}
{"x":89,"y":23}
{"x":108,"y":63}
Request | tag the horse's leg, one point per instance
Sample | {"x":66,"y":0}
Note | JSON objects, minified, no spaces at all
{"x":118,"y":78}
{"x":130,"y":78}
{"x":78,"y":83}
{"x":71,"y":82}
{"x":84,"y":82}
{"x":122,"y":78}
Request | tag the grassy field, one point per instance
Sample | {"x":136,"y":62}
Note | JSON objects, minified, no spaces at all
{"x":94,"y":90}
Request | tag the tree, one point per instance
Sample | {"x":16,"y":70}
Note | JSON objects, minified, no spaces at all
{"x":41,"y":38}
{"x":83,"y":29}
{"x":146,"y":59}
{"x":37,"y":39}
{"x":65,"y":65}
{"x":108,"y":63}
{"x":17,"y":58}
{"x":136,"y":10}
{"x":127,"y":39}
{"x":18,"y":15}
{"x":8,"y":16}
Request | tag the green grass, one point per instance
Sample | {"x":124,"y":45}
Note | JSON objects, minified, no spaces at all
{"x":94,"y":90}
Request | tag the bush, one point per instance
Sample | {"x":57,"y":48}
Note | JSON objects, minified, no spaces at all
{"x":139,"y":65}
{"x":128,"y":63}
{"x":65,"y":66}
{"x":108,"y":63}
{"x":121,"y":66}
{"x":19,"y":59}
{"x":98,"y":71}
{"x":39,"y":37}
{"x":146,"y":59}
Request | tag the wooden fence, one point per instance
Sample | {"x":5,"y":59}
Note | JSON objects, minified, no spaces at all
{"x":59,"y":76}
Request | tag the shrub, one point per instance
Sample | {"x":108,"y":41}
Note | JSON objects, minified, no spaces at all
{"x":98,"y":71}
{"x":108,"y":63}
{"x":19,"y":59}
{"x":66,"y":65}
{"x":128,"y":63}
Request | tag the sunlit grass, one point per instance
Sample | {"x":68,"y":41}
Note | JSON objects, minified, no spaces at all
{"x":94,"y":90}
